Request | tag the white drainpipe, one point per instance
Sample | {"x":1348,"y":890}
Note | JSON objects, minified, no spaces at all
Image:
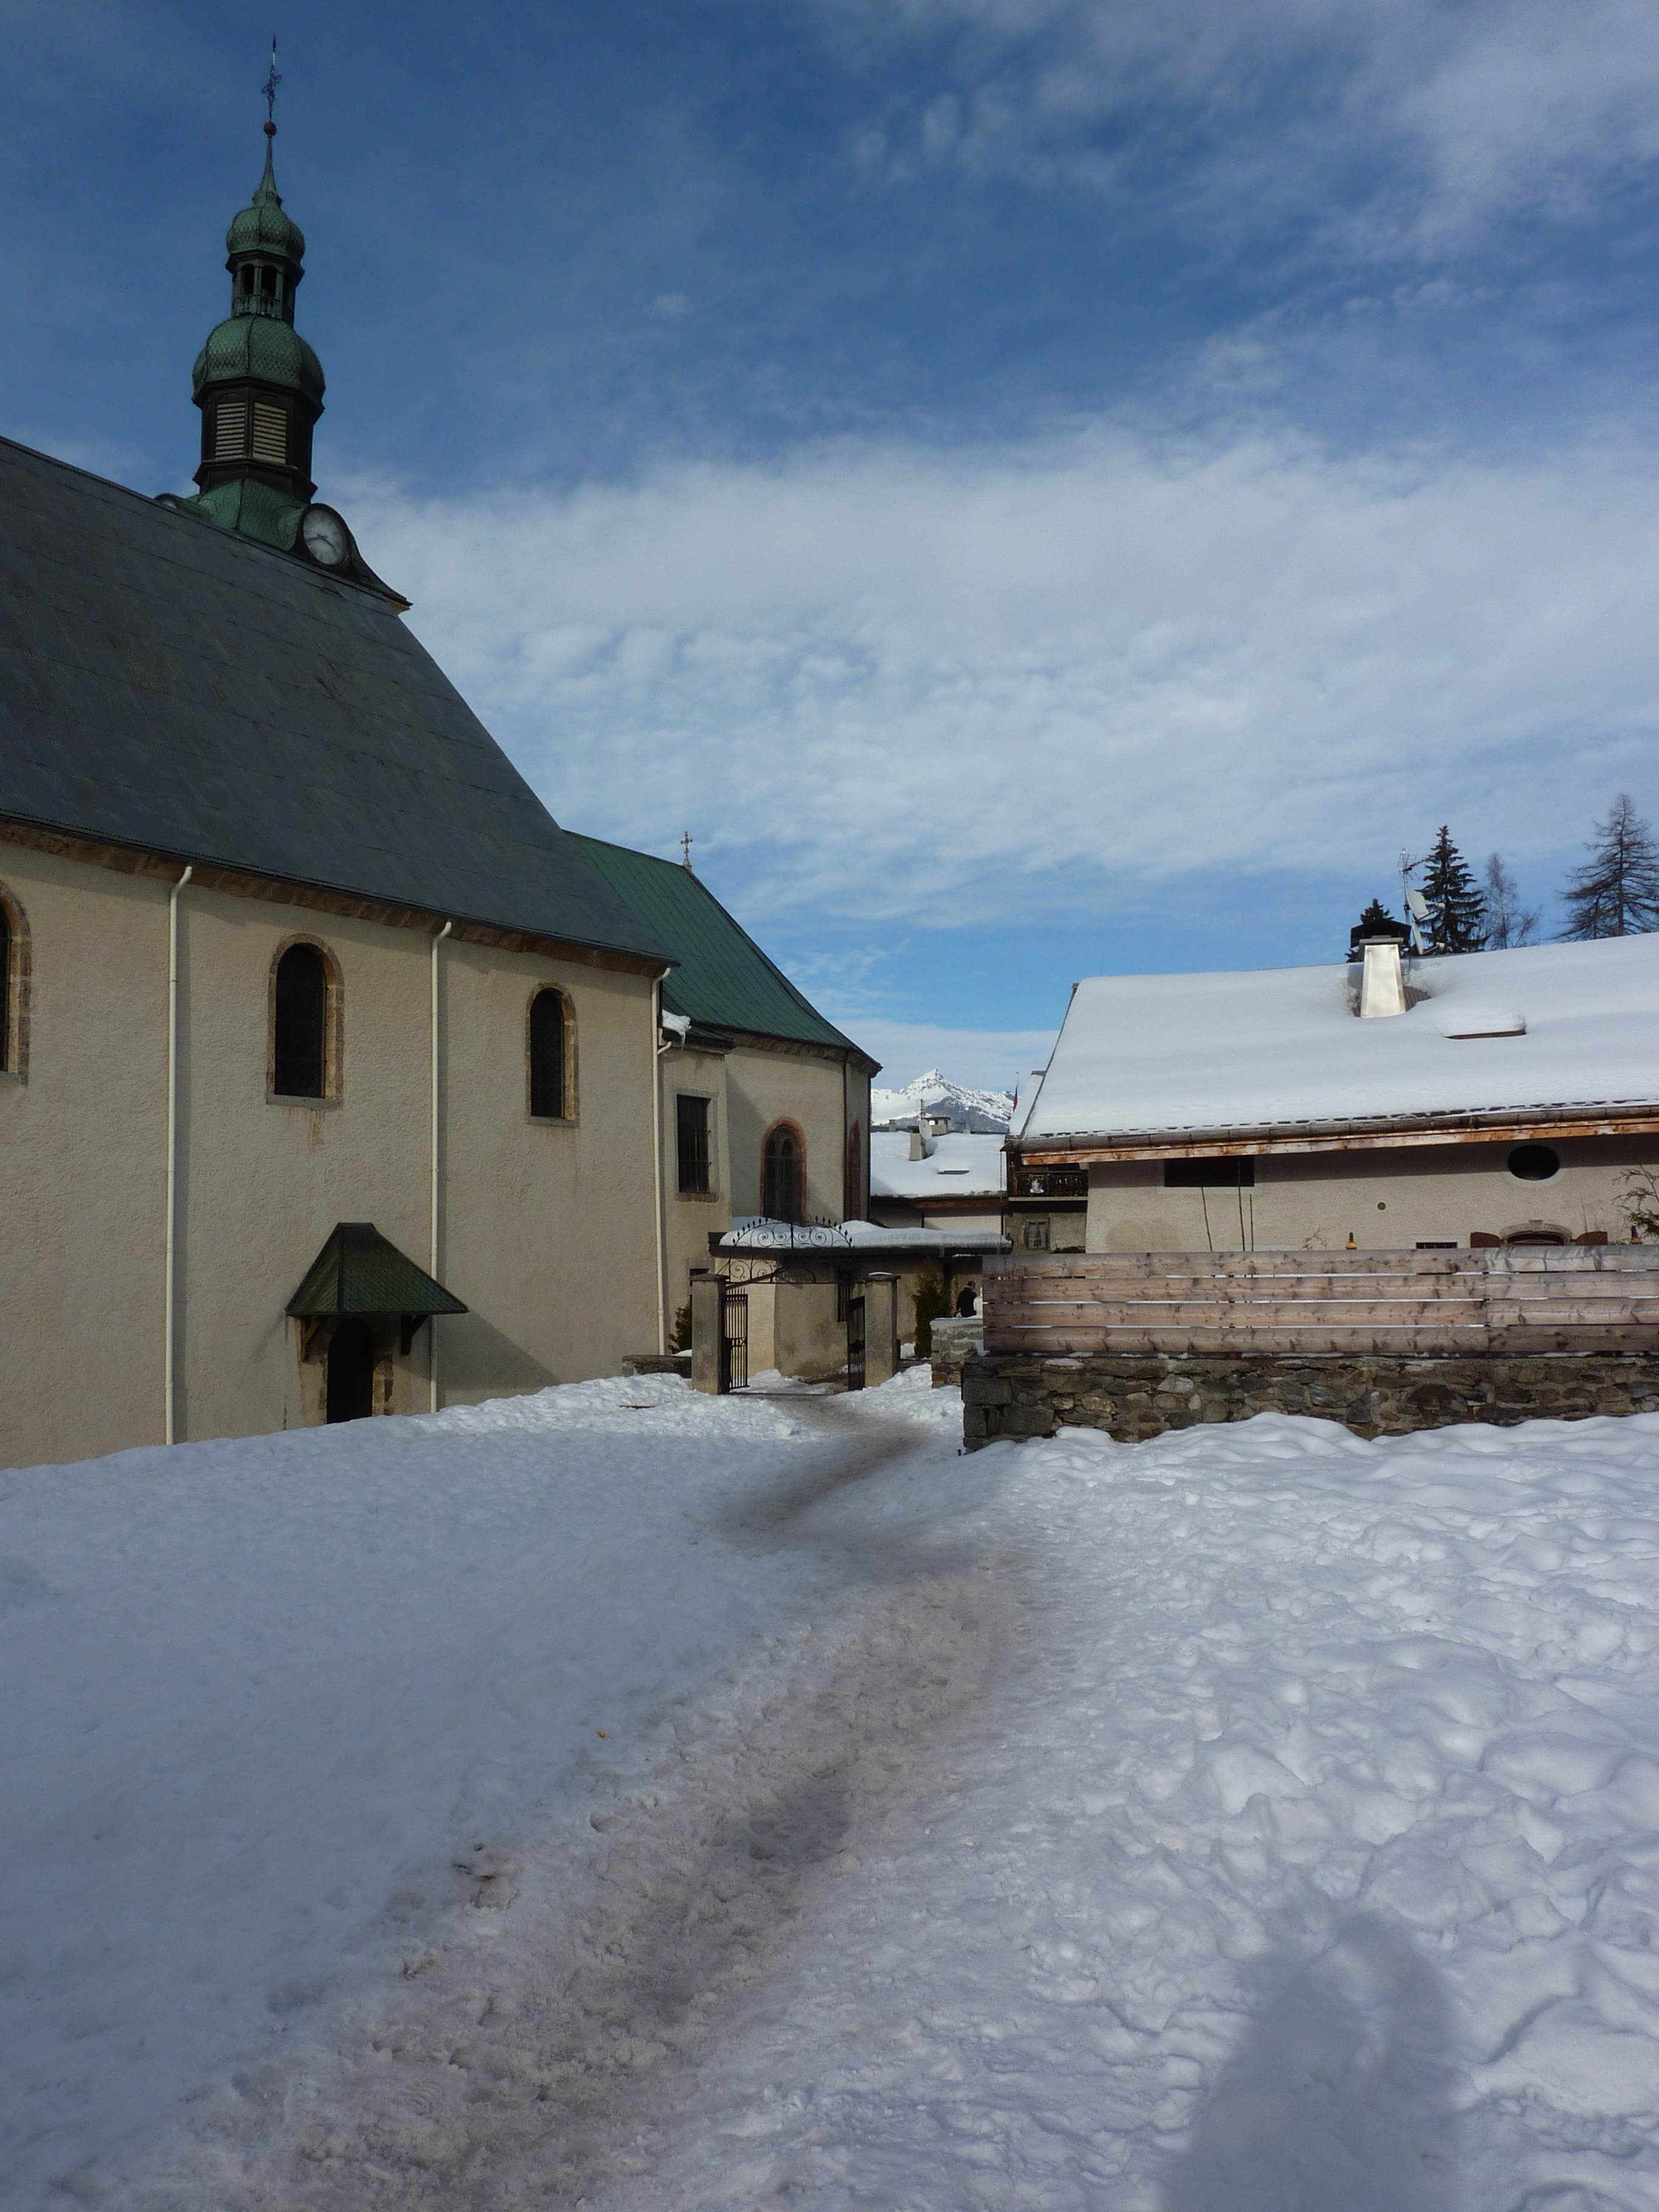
{"x":656,"y":1152}
{"x":432,"y":1319}
{"x":173,"y":1147}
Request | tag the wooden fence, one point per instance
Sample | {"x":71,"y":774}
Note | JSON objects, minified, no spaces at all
{"x":1529,"y":1298}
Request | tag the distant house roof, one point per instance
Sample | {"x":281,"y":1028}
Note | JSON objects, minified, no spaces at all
{"x":723,"y":980}
{"x":1278,"y":1051}
{"x":956,"y":1166}
{"x":174,"y":687}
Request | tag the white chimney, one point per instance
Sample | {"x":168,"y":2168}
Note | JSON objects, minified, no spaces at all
{"x":1381,"y":985}
{"x":918,"y":1143}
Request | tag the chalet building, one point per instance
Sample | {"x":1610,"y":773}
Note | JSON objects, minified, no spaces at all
{"x":333,"y":1072}
{"x":1485,"y":1099}
{"x":953,"y":1184}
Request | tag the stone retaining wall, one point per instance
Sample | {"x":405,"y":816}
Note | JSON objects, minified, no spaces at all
{"x":1134,"y":1395}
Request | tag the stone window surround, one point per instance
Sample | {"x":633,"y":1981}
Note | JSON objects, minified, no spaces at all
{"x":333,"y":1027}
{"x":570,"y":1116}
{"x":15,"y":1012}
{"x":713,"y":1195}
{"x":785,"y":1121}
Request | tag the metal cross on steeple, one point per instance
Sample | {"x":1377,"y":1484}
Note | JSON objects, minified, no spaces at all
{"x":269,"y":88}
{"x":686,"y":852}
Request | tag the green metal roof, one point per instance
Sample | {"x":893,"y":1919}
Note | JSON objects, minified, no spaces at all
{"x":723,"y":979}
{"x":260,"y":348}
{"x":359,"y":1272}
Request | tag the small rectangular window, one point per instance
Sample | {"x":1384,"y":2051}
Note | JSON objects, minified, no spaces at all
{"x":1435,"y":1244}
{"x":1209,"y":1174}
{"x":1034,"y":1235}
{"x":269,"y":432}
{"x":691,"y":1128}
{"x":230,"y":430}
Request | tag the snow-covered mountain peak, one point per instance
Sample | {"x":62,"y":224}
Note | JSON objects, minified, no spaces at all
{"x":984,"y":1112}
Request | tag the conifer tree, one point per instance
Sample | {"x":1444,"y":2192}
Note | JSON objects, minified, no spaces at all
{"x":1376,"y":921}
{"x":1507,"y":922}
{"x":1616,"y":892}
{"x":1459,"y":924}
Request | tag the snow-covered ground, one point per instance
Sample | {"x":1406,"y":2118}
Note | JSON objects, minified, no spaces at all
{"x":624,"y":1797}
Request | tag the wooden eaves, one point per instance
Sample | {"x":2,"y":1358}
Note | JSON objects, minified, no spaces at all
{"x":1638,"y":1119}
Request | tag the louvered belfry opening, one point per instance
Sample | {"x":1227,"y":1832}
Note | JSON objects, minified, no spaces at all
{"x":269,"y":432}
{"x":5,"y":990}
{"x":547,"y":1056}
{"x":299,"y":1060}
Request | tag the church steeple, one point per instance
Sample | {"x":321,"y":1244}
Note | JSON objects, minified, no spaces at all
{"x":258,"y":383}
{"x":259,"y":387}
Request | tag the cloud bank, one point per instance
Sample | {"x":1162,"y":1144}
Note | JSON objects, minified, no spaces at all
{"x":895,"y":684}
{"x":1407,"y":125}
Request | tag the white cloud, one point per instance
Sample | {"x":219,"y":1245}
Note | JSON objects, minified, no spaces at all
{"x":1463,"y":115}
{"x":947,"y":687}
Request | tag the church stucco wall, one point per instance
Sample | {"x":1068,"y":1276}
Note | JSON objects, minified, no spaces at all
{"x":81,"y":1180}
{"x":1386,"y":1197}
{"x":786,"y":1085}
{"x":546,"y":1231}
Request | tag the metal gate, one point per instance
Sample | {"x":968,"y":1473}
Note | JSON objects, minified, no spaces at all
{"x":855,"y":1344}
{"x":734,"y":1338}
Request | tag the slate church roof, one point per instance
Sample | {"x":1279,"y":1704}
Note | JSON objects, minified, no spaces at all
{"x":177,"y":689}
{"x":723,"y":981}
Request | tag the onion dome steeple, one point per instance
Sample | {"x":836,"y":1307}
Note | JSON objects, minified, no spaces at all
{"x":259,"y":387}
{"x":258,"y":383}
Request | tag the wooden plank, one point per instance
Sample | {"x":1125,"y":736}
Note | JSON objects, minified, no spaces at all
{"x":1403,"y":1344}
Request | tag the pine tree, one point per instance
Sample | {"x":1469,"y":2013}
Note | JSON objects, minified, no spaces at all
{"x":1376,"y":921}
{"x":1459,"y":924}
{"x":1507,"y":922}
{"x":1616,"y":892}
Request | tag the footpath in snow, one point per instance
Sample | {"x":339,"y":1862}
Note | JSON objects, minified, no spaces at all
{"x":632,"y":1799}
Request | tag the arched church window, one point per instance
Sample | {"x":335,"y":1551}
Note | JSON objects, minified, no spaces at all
{"x":14,"y":987}
{"x":783,"y":1177}
{"x":549,"y":1057}
{"x":299,"y":1023}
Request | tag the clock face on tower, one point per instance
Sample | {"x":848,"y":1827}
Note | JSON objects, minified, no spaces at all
{"x":325,"y":537}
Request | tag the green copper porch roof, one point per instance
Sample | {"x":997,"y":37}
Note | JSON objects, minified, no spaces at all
{"x":723,"y":980}
{"x":358,"y":1271}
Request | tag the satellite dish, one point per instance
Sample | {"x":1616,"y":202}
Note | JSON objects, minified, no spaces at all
{"x":1418,"y":904}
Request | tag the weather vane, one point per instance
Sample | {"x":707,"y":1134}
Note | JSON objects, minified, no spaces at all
{"x":269,"y":88}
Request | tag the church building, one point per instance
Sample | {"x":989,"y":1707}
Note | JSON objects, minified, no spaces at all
{"x":332,"y":1071}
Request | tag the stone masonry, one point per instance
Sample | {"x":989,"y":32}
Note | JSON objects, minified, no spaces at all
{"x":1134,"y":1395}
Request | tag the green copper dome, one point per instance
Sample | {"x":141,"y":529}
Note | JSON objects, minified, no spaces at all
{"x":262,"y":228}
{"x":262,"y":349}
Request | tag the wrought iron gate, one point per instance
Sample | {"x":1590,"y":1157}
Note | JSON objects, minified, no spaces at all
{"x":734,"y":1338}
{"x":855,"y":1344}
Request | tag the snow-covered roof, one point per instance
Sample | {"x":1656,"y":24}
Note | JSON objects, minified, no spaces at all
{"x":1167,"y":1054}
{"x":758,"y":1233}
{"x":956,"y":1166}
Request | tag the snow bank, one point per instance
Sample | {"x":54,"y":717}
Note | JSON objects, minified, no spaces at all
{"x":1253,"y":1818}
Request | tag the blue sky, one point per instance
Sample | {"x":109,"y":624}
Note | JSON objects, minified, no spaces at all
{"x":1036,"y":487}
